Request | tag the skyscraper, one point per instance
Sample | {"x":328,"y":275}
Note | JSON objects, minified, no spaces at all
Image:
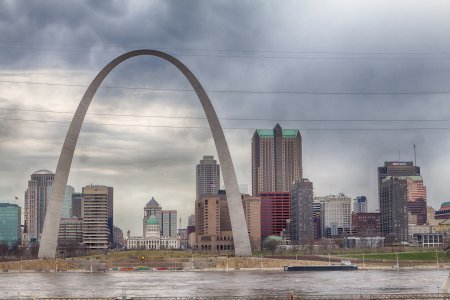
{"x":97,"y":216}
{"x":208,"y":177}
{"x":397,"y":168}
{"x":77,"y":203}
{"x":393,"y":209}
{"x":276,"y":159}
{"x":302,"y":228}
{"x":360,"y":204}
{"x":36,"y":197}
{"x":402,"y":199}
{"x":10,"y":219}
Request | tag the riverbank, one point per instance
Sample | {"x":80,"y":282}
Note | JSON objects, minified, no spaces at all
{"x":107,"y":264}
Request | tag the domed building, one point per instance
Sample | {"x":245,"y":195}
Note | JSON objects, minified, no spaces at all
{"x":153,"y":238}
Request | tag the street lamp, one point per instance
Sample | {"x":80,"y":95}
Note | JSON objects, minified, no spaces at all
{"x":93,"y":293}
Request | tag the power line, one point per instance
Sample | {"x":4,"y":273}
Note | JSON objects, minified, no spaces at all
{"x":228,"y":119}
{"x":133,"y":47}
{"x":237,"y":91}
{"x":229,"y":128}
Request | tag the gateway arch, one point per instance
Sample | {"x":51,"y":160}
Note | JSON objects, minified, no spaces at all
{"x":52,"y":219}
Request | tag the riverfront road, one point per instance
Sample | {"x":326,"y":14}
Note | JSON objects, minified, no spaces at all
{"x":428,"y":296}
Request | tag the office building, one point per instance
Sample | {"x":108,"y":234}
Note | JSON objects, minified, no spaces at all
{"x":396,"y":169}
{"x":213,"y":226}
{"x":77,"y":204}
{"x":207,"y":177}
{"x":317,"y":224}
{"x":335,"y":215}
{"x":417,"y":200}
{"x":36,"y":197}
{"x":118,"y":236}
{"x":252,"y":211}
{"x":168,"y":223}
{"x":366,"y":224}
{"x":302,"y":219}
{"x":393,"y":209}
{"x":360,"y":204}
{"x":67,"y":203}
{"x":276,"y":159}
{"x":70,"y":231}
{"x":10,"y":220}
{"x":191,"y":220}
{"x":275,"y":213}
{"x":97,"y":218}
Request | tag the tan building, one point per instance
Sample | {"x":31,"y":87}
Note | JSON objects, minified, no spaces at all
{"x":96,"y":209}
{"x":252,"y":211}
{"x":276,"y":159}
{"x":213,"y":226}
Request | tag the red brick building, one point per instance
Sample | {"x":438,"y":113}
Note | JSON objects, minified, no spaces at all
{"x":366,"y":224}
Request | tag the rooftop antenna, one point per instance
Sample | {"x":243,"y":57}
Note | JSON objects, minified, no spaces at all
{"x":415,"y":162}
{"x":398,"y":155}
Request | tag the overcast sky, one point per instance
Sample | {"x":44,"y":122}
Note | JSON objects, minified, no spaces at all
{"x":286,"y":61}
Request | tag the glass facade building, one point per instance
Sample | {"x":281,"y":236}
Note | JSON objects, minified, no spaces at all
{"x":10,"y":219}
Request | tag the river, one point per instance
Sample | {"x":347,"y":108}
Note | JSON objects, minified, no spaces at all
{"x":179,"y":283}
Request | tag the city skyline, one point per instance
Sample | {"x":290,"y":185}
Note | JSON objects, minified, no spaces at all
{"x":44,"y":70}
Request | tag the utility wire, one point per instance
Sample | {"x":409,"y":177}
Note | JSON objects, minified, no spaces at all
{"x":236,"y":91}
{"x":227,"y":50}
{"x":228,"y":119}
{"x":229,"y":128}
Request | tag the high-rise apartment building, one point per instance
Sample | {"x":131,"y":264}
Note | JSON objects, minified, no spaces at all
{"x":275,"y":213}
{"x":335,"y":215}
{"x":276,"y":159}
{"x":36,"y":197}
{"x":393,"y":209}
{"x":10,"y":219}
{"x":302,"y":220}
{"x":208,"y":177}
{"x":360,"y":204}
{"x":97,"y":216}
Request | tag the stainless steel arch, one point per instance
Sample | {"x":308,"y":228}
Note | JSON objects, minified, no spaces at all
{"x":52,"y":219}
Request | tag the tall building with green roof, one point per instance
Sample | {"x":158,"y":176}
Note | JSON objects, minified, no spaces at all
{"x":276,"y":159}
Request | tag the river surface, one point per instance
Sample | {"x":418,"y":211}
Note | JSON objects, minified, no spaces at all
{"x":233,"y":283}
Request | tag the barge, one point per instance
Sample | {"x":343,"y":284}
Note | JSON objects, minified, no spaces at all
{"x":321,"y":268}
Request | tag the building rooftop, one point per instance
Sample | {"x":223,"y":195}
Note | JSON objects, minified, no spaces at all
{"x":152,"y":202}
{"x":286,"y":133}
{"x":43,"y":172}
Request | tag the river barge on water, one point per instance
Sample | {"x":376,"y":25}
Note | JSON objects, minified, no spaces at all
{"x":321,"y":268}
